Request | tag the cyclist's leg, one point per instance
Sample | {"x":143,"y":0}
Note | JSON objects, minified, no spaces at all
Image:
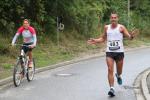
{"x":28,"y":52}
{"x":30,"y":55}
{"x":30,"y":58}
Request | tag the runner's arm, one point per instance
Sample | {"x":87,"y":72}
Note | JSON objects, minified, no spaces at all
{"x":100,"y":39}
{"x":126,"y":33}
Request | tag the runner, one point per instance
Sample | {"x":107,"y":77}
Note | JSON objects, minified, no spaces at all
{"x":29,"y":38}
{"x":113,"y":34}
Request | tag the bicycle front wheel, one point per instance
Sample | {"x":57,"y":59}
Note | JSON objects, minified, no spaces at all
{"x":17,"y":74}
{"x":31,"y":72}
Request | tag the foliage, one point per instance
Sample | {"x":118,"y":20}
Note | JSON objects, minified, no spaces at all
{"x":79,"y":15}
{"x":140,"y":15}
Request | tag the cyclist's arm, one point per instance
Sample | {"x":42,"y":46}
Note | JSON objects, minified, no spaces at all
{"x":34,"y":36}
{"x":34,"y":39}
{"x":126,"y":33}
{"x":15,"y":38}
{"x":17,"y":35}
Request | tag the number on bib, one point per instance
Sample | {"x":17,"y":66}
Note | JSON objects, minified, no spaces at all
{"x":114,"y":45}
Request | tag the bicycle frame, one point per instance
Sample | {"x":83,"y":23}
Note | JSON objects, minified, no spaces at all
{"x":23,"y":70}
{"x":24,"y":59}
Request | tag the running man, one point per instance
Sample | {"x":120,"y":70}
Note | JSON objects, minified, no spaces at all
{"x":29,"y":38}
{"x":113,"y":34}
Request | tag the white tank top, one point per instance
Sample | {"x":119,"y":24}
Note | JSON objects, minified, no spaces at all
{"x":114,"y":39}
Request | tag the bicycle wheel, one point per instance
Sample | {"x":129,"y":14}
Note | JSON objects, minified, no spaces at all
{"x":31,"y":72}
{"x":18,"y":73}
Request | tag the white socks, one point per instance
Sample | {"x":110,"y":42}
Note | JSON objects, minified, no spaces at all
{"x":112,"y":87}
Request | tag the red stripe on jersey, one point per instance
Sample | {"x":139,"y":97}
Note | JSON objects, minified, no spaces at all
{"x":31,"y":29}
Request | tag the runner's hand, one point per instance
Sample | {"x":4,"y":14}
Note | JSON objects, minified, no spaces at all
{"x":134,"y":33}
{"x":91,"y":41}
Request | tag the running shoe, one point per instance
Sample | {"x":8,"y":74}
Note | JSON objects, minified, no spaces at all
{"x":111,"y":92}
{"x":119,"y":79}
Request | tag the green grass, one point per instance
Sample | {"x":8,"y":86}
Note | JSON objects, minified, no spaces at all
{"x":5,"y":73}
{"x":47,"y":58}
{"x":140,"y":41}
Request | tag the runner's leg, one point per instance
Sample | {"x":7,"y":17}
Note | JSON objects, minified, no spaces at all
{"x":119,"y":65}
{"x":110,"y":64}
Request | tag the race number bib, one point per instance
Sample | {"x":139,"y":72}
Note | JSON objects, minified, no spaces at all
{"x":114,"y":45}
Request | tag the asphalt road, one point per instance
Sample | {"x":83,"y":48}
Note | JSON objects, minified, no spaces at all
{"x":85,"y":80}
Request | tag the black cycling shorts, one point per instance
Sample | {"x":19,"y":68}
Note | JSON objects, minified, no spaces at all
{"x":117,"y":56}
{"x":25,"y":48}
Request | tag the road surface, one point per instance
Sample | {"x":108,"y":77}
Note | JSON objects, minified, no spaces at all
{"x":85,"y":80}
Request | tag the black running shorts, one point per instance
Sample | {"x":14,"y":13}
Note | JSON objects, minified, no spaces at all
{"x":115,"y":55}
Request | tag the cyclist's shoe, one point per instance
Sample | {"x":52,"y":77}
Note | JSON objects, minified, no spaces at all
{"x":30,"y":64}
{"x":111,"y":92}
{"x":119,"y":79}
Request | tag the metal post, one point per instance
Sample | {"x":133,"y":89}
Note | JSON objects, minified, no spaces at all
{"x":128,"y":13}
{"x":86,"y":28}
{"x":57,"y":26}
{"x":57,"y":31}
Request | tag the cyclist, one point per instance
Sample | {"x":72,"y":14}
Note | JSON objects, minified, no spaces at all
{"x":29,"y":39}
{"x":113,"y":34}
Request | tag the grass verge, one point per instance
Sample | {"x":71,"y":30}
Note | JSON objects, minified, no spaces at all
{"x":50,"y":53}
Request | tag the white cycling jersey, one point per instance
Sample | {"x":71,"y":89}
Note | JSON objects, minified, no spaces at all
{"x":114,"y":39}
{"x":29,"y":35}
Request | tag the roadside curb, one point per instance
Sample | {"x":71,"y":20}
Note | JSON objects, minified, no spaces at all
{"x":5,"y":81}
{"x":9,"y":80}
{"x":69,"y":62}
{"x":144,"y":86}
{"x":139,"y":86}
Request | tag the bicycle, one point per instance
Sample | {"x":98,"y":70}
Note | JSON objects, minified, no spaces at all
{"x":21,"y":68}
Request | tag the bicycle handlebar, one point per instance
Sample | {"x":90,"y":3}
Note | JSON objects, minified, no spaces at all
{"x":21,"y":45}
